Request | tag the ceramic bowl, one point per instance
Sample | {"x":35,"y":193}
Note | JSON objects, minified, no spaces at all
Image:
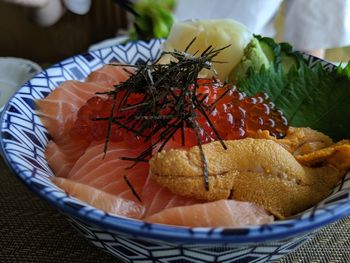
{"x":23,"y":140}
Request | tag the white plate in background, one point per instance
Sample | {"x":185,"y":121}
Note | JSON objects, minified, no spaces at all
{"x":14,"y":72}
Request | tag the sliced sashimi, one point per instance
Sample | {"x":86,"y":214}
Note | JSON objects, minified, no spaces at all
{"x":157,"y":198}
{"x":58,"y":112}
{"x":62,"y":158}
{"x":100,"y":199}
{"x":107,"y":172}
{"x":222,"y":213}
{"x":59,"y":109}
{"x":59,"y":162}
{"x":110,"y":75}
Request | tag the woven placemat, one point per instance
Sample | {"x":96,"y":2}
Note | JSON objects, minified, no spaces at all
{"x":32,"y":231}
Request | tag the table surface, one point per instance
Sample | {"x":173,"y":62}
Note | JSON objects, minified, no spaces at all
{"x":33,"y":231}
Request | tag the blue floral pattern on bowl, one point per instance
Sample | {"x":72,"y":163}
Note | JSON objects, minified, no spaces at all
{"x":23,"y":141}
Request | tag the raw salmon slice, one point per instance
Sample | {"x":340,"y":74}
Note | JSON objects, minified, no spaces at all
{"x":157,"y":198}
{"x":222,"y":213}
{"x":101,"y":200}
{"x":60,"y":161}
{"x":107,"y":172}
{"x":110,"y":75}
{"x":58,"y":113}
{"x":58,"y":110}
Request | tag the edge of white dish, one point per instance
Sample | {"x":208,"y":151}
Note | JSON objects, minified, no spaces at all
{"x":14,"y":72}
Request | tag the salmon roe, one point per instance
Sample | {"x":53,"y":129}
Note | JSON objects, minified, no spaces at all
{"x":233,"y":114}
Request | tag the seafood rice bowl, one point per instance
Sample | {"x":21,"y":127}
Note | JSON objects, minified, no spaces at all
{"x":24,"y":140}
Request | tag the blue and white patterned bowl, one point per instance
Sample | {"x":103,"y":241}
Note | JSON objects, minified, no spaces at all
{"x":23,"y":140}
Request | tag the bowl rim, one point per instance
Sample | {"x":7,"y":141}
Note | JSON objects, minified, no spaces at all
{"x":278,"y":230}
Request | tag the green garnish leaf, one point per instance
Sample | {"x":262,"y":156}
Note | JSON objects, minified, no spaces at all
{"x":345,"y":71}
{"x":153,"y":19}
{"x":309,"y":97}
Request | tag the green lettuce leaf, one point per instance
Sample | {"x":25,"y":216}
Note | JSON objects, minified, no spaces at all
{"x":309,"y":97}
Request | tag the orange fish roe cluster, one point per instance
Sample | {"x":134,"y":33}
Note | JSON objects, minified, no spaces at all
{"x":88,"y":128}
{"x":233,"y":114}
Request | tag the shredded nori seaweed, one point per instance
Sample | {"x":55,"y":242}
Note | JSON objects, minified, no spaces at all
{"x":170,"y":102}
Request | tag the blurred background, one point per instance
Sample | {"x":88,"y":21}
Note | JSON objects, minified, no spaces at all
{"x":73,"y":33}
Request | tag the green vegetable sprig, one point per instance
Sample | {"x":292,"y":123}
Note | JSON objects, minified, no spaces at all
{"x":309,"y":97}
{"x":152,"y":18}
